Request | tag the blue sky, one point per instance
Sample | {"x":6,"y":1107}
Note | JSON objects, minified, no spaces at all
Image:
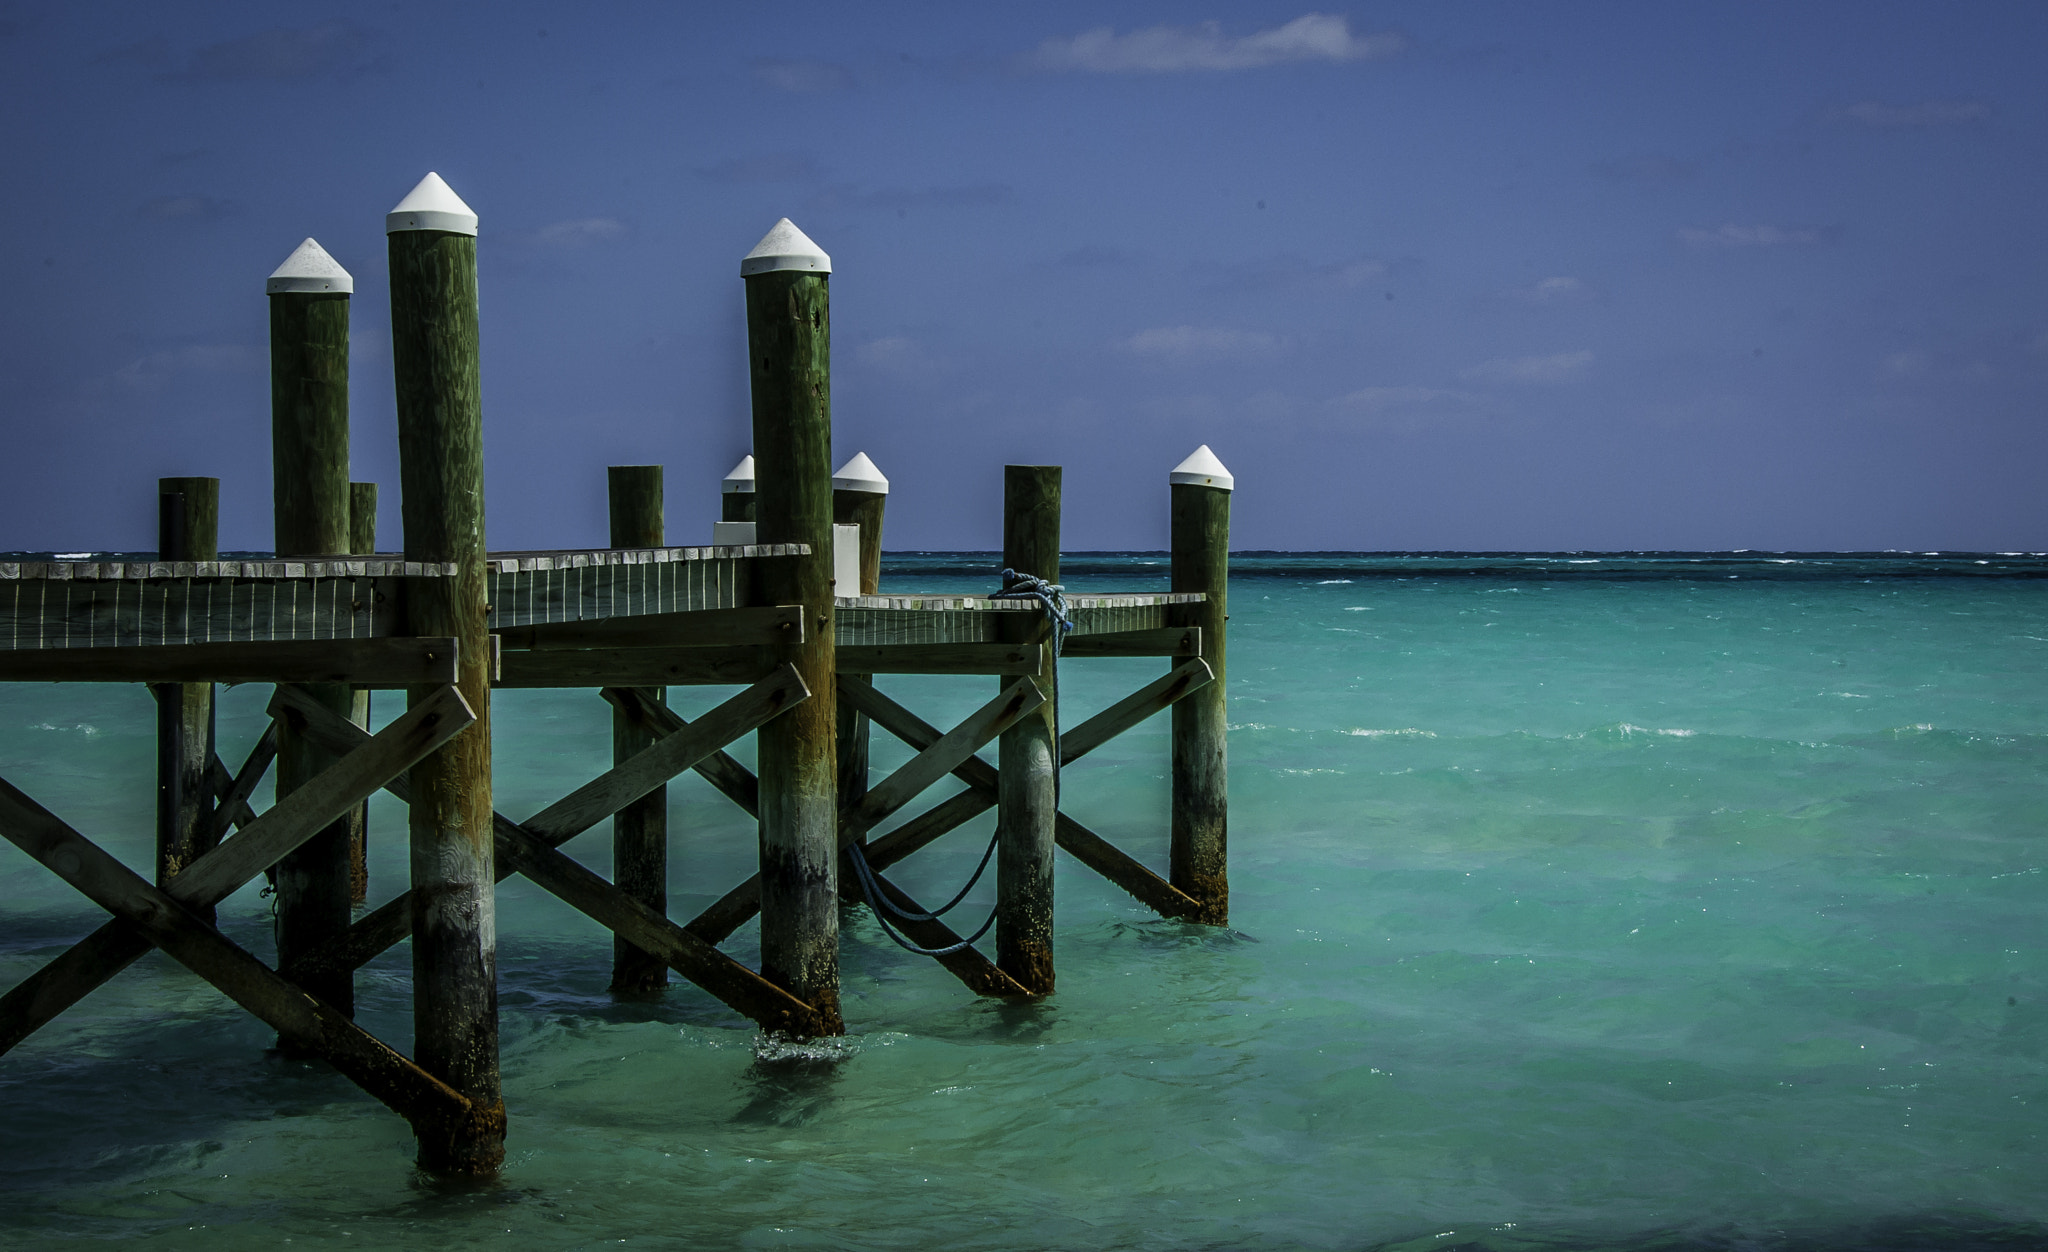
{"x":1447,"y":275}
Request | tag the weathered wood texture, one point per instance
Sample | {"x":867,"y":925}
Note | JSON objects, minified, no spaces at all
{"x":526,"y":847}
{"x":104,"y":613}
{"x":223,"y":870}
{"x":362,"y":541}
{"x":944,"y":658}
{"x":1200,"y":860}
{"x":310,"y":517}
{"x":188,"y":529}
{"x":863,"y":509}
{"x":1180,"y":641}
{"x":640,"y":829}
{"x":312,"y":1026}
{"x":441,"y":481}
{"x":638,"y":667}
{"x":733,"y":780}
{"x":937,"y":756}
{"x":1027,"y":789}
{"x":704,"y":628}
{"x":789,"y":357}
{"x":881,"y":620}
{"x":397,"y":662}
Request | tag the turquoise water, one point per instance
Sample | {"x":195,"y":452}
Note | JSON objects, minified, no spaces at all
{"x":1574,"y":905}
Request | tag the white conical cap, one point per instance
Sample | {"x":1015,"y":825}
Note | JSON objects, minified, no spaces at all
{"x":860,"y":474}
{"x":741,"y":480}
{"x":1202,"y":469}
{"x":785,"y":247}
{"x":309,"y":268}
{"x":432,"y":205}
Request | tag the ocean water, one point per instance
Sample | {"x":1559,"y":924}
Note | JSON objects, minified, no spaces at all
{"x":1578,"y":901}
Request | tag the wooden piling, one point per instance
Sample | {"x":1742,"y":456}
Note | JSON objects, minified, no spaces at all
{"x":1199,"y":858}
{"x":432,"y":244}
{"x":309,"y":322}
{"x":639,"y":830}
{"x":1027,"y":789}
{"x":789,"y":341}
{"x":188,"y":529}
{"x":362,"y":541}
{"x":859,"y":494}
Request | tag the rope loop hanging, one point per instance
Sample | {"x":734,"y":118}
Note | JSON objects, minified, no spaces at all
{"x":1052,"y":596}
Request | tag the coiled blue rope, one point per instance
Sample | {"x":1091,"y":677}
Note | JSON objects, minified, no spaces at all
{"x":1052,"y":596}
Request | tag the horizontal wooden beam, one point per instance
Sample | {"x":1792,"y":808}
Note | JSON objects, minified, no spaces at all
{"x":304,"y":1021}
{"x":637,"y":667}
{"x":702,"y":628}
{"x":386,"y":662}
{"x":1164,"y":641}
{"x":938,"y":658}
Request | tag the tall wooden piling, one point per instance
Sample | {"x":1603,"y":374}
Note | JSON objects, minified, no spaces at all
{"x":859,"y":494}
{"x":789,"y":359}
{"x":640,"y":830}
{"x":188,"y":529}
{"x":362,"y":541}
{"x":736,"y":492}
{"x":1200,"y":488}
{"x":309,"y":322}
{"x":1027,"y":789}
{"x":432,"y":243}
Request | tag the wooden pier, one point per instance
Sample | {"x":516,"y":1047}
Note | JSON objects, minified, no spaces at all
{"x":446,"y":622}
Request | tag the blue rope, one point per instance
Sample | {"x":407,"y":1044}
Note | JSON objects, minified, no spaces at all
{"x":1052,"y":596}
{"x":882,"y":907}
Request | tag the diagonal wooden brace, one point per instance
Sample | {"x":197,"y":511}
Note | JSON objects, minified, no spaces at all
{"x":223,"y":870}
{"x":982,"y":976}
{"x":231,"y":792}
{"x":733,"y":780}
{"x":941,"y":756}
{"x":164,"y":922}
{"x":567,"y":817}
{"x":1081,"y":843}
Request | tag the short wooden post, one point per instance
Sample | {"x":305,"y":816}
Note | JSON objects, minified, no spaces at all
{"x":859,"y":492}
{"x":432,"y":243}
{"x":1027,"y":789}
{"x":362,"y":541}
{"x":188,"y":529}
{"x":1200,"y":862}
{"x":789,"y":359}
{"x":736,"y":493}
{"x":309,"y":308}
{"x":640,"y":830}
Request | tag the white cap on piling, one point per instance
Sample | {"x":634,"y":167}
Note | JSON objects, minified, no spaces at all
{"x":785,"y":247}
{"x":1202,"y":469}
{"x":860,"y":474}
{"x":741,"y":480}
{"x":432,"y":205}
{"x":309,"y":268}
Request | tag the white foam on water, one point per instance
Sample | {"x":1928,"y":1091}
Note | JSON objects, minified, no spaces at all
{"x":1332,"y":582}
{"x":1408,"y":732}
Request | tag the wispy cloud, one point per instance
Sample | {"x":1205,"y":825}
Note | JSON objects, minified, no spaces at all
{"x":1178,"y":49}
{"x":334,"y":50}
{"x":807,"y":77}
{"x":157,"y":370}
{"x":1274,"y":273}
{"x":1925,"y":113}
{"x":1557,"y":368}
{"x":580,"y":232}
{"x":774,"y":167}
{"x":1907,"y":364}
{"x":185,"y":208}
{"x":1734,"y":236}
{"x":1184,"y":343}
{"x":1557,"y":289}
